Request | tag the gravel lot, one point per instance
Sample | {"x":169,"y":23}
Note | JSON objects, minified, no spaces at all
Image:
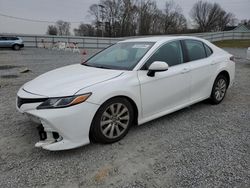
{"x":199,"y":146}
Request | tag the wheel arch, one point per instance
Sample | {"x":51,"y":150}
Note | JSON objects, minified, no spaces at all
{"x":226,"y":74}
{"x":132,"y":102}
{"x":15,"y":44}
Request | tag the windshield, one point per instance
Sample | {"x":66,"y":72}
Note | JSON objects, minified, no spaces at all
{"x":121,"y":56}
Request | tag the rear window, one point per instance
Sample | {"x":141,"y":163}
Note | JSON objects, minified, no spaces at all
{"x":195,"y":50}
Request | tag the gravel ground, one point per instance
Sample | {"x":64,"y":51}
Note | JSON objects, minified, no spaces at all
{"x":199,"y":146}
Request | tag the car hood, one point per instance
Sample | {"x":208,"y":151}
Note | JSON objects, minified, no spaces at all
{"x":67,"y":81}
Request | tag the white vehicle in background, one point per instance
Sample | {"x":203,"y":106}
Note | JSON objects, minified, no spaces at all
{"x":131,"y":82}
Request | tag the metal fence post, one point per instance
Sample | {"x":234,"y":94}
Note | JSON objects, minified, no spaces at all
{"x":36,"y":41}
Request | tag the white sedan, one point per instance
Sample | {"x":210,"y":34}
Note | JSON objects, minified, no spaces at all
{"x":129,"y":83}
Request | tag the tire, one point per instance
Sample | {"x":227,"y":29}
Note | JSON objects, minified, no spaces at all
{"x":112,"y":121}
{"x":16,"y":47}
{"x":219,"y":89}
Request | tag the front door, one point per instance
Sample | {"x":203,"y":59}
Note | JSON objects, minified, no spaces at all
{"x":169,"y":89}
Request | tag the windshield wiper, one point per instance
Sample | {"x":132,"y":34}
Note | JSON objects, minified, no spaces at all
{"x":96,"y":66}
{"x":87,"y":65}
{"x":102,"y":67}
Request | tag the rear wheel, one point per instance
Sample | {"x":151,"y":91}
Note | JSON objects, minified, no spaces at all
{"x":112,"y":121}
{"x":219,"y":89}
{"x":16,"y":47}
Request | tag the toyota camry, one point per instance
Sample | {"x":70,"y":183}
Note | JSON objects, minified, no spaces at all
{"x":129,"y":83}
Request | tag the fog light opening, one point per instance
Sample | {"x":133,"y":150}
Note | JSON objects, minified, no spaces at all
{"x":56,"y":136}
{"x":47,"y":138}
{"x":42,"y":133}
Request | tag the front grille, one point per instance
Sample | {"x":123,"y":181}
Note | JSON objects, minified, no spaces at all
{"x":21,"y":101}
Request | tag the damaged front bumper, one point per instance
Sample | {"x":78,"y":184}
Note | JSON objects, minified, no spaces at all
{"x":60,"y":129}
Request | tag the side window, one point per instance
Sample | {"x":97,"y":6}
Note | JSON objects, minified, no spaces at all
{"x":12,"y":38}
{"x":195,"y":50}
{"x":171,"y":53}
{"x":9,"y":38}
{"x":208,"y":50}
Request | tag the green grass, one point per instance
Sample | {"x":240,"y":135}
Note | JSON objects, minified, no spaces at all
{"x":233,"y":43}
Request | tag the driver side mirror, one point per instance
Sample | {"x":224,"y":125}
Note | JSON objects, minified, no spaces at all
{"x":157,"y":66}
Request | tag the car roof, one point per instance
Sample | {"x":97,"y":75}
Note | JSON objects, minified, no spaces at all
{"x":159,"y":38}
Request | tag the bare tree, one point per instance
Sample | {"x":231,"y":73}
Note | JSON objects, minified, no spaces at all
{"x":112,"y":17}
{"x":84,"y":30}
{"x":225,"y":20}
{"x":52,"y":30}
{"x":128,"y":19}
{"x":210,"y":16}
{"x":115,"y":17}
{"x":157,"y":24}
{"x":147,"y":15}
{"x":63,"y":27}
{"x":94,"y":11}
{"x":175,"y":21}
{"x":118,"y":18}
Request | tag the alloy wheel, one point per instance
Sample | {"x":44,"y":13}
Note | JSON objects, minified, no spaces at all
{"x":220,"y":89}
{"x":115,"y":120}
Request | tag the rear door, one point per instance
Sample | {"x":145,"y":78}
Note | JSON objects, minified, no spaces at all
{"x":10,"y":41}
{"x":200,"y":62}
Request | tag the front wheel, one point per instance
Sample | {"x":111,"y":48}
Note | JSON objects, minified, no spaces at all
{"x":112,"y":121}
{"x":16,"y":47}
{"x":219,"y":89}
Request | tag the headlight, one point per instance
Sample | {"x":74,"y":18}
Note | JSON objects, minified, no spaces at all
{"x":62,"y":102}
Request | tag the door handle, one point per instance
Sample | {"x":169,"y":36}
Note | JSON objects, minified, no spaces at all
{"x":185,"y":70}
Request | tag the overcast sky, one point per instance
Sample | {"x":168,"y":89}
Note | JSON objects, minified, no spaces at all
{"x":77,"y":11}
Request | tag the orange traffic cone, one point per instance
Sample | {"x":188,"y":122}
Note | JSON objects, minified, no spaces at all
{"x":84,"y":52}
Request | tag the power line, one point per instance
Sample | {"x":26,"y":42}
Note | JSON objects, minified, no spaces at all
{"x":32,"y":20}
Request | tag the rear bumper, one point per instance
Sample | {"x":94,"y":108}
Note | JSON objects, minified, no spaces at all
{"x":72,"y":124}
{"x":231,"y":71}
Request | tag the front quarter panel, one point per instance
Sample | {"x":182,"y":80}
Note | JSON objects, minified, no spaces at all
{"x":126,"y":85}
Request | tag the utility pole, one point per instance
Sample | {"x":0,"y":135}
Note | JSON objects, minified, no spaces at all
{"x":140,"y":26}
{"x":102,"y":16}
